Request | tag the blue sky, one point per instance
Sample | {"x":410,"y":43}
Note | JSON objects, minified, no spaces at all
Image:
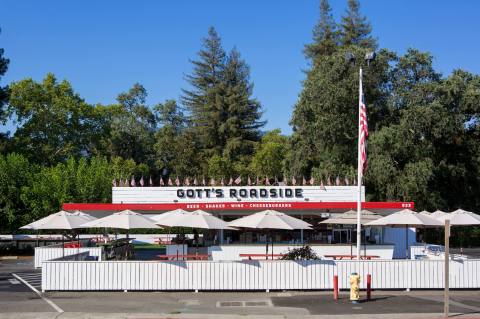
{"x":103,"y":47}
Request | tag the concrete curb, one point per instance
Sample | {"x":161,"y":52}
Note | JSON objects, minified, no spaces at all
{"x":85,"y":315}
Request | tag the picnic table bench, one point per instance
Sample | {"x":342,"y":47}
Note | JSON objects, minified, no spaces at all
{"x":250,"y":256}
{"x":184,"y":256}
{"x":341,"y":257}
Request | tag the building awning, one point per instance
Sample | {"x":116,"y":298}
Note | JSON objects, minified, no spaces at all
{"x":243,"y":207}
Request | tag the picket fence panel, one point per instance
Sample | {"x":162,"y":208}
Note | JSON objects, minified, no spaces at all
{"x":254,"y":274}
{"x":55,"y":251}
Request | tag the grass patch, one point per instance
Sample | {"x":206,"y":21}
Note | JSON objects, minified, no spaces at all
{"x":148,"y":246}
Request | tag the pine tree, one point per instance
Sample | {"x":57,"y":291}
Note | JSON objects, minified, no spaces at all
{"x":325,"y":34}
{"x":355,"y":28}
{"x":223,"y":115}
{"x":241,"y":118}
{"x":204,"y":100}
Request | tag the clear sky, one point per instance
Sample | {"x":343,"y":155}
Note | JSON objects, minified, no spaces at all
{"x":103,"y":47}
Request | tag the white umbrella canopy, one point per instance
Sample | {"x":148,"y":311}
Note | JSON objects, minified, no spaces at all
{"x":424,"y":212}
{"x":269,"y":219}
{"x":35,"y":224}
{"x":350,"y":218}
{"x":196,"y":219}
{"x":460,"y":217}
{"x":160,"y":217}
{"x":437,"y":214}
{"x":126,"y":219}
{"x":85,"y":215}
{"x":62,"y":220}
{"x":406,"y":217}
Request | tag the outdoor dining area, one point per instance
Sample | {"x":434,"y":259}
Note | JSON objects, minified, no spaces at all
{"x":265,"y":223}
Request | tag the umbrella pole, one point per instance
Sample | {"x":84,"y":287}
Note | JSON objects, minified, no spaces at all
{"x":272,"y":246}
{"x":406,"y":242}
{"x":266,"y":250}
{"x":63,"y":246}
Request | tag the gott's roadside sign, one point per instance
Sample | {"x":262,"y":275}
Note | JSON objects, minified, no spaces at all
{"x":240,"y":192}
{"x":228,"y":194}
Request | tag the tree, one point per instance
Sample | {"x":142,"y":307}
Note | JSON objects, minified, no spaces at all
{"x":175,"y":145}
{"x":132,"y":127}
{"x":15,"y":172}
{"x":355,"y":29}
{"x":270,"y":155}
{"x":54,"y":122}
{"x":240,"y":119}
{"x":204,"y":100}
{"x":3,"y":90}
{"x":223,"y":114}
{"x":325,"y":117}
{"x":325,"y":34}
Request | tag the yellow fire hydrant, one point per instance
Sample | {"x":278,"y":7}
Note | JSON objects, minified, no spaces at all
{"x":354,"y":287}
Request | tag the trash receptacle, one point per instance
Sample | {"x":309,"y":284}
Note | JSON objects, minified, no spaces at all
{"x":354,"y":287}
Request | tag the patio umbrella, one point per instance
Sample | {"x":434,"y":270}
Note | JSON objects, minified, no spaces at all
{"x":270,"y":219}
{"x":62,"y":220}
{"x":125,"y":219}
{"x":424,"y":212}
{"x":406,"y":218}
{"x":196,"y":219}
{"x":438,"y":213}
{"x":158,"y":218}
{"x":460,"y":217}
{"x":350,"y":218}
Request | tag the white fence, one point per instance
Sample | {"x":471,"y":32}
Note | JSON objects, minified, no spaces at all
{"x":56,"y":251}
{"x":254,"y":275}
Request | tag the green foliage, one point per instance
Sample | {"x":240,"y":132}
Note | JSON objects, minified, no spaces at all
{"x":3,"y":90}
{"x":355,"y":28}
{"x":269,"y":158}
{"x":325,"y":34}
{"x":15,"y":173}
{"x":223,"y":115}
{"x":54,"y":122}
{"x":302,"y":253}
{"x":132,"y":127}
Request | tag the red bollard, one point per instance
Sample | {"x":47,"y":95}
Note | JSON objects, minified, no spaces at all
{"x":369,"y":287}
{"x":335,"y":287}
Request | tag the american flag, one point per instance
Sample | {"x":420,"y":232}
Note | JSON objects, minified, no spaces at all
{"x":322,"y":187}
{"x":312,"y":181}
{"x":294,"y":181}
{"x":161,"y":182}
{"x":267,"y":181}
{"x":114,"y":183}
{"x":363,"y":132}
{"x":238,"y":180}
{"x":222,"y":182}
{"x":230,"y":182}
{"x":170,"y":182}
{"x":195,"y":182}
{"x":304,"y":181}
{"x":141,"y":181}
{"x":249,"y":181}
{"x":177,"y":181}
{"x":150,"y":182}
{"x":132,"y":182}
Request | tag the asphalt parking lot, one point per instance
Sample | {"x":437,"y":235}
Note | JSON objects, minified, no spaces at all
{"x":17,"y":300}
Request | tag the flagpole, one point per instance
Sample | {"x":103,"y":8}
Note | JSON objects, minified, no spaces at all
{"x":359,"y":171}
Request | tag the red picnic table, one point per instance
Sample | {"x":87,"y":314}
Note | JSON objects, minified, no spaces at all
{"x":250,"y":256}
{"x":182,"y":257}
{"x":340,"y":257}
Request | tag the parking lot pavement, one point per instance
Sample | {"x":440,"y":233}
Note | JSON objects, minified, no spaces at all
{"x":18,"y":301}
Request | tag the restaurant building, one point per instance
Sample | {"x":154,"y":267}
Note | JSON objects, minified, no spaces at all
{"x":310,"y":203}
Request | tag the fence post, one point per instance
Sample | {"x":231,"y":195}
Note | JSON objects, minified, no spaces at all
{"x":335,"y":287}
{"x":369,"y":287}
